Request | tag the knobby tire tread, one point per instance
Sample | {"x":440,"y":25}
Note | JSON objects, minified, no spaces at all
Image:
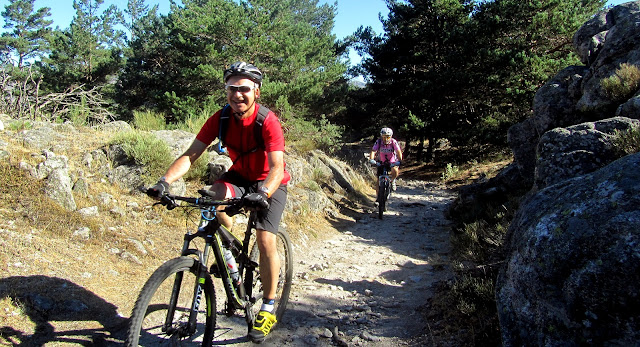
{"x":382,"y":199}
{"x":166,"y":272}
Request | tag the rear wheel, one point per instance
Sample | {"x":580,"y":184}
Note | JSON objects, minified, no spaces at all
{"x":155,"y":321}
{"x":285,"y":275}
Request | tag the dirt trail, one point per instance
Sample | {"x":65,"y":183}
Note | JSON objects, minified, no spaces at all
{"x":363,"y":286}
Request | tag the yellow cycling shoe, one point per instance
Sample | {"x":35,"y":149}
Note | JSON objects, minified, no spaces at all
{"x":262,"y":326}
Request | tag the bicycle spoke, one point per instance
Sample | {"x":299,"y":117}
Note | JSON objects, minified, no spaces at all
{"x":150,"y":319}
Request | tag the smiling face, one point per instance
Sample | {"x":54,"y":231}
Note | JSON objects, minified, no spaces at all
{"x":242,"y":102}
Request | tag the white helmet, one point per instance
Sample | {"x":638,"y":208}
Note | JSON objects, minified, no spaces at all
{"x":386,"y":132}
{"x":240,"y":68}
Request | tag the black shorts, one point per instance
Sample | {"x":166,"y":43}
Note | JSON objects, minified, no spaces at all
{"x":269,"y":219}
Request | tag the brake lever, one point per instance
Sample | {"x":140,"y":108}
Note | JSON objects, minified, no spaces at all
{"x":232,"y":210}
{"x":168,"y":202}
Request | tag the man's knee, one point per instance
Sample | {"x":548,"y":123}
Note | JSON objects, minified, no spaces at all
{"x":220,"y":190}
{"x":266,"y":240}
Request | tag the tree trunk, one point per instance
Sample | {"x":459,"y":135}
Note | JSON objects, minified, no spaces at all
{"x":407,"y":147}
{"x":430,"y":151}
{"x":420,"y":148}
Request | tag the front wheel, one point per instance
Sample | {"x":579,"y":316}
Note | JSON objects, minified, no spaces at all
{"x":157,"y":320}
{"x":285,"y":275}
{"x":382,"y":197}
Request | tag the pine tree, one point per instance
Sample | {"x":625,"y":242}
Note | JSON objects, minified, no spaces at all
{"x":28,"y":33}
{"x":467,"y":71}
{"x":177,"y":63}
{"x":136,"y":11}
{"x":416,"y":66}
{"x":89,"y":50}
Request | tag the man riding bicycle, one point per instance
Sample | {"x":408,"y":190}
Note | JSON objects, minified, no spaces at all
{"x":389,"y":151}
{"x":258,"y":173}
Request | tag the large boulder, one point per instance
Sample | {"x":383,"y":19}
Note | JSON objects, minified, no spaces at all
{"x":576,"y":150}
{"x":553,"y":106}
{"x":572,"y":268}
{"x":58,"y":185}
{"x":615,"y":37}
{"x":177,"y":140}
{"x":575,"y":94}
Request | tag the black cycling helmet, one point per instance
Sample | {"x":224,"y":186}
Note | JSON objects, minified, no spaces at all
{"x":240,"y":68}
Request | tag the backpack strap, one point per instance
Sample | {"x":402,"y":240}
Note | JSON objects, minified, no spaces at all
{"x":223,"y":124}
{"x":263,"y":113}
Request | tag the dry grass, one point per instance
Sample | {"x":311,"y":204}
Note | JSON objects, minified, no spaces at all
{"x":41,"y":257}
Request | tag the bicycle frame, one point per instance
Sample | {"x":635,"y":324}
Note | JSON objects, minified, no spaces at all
{"x":216,"y":236}
{"x":384,"y":179}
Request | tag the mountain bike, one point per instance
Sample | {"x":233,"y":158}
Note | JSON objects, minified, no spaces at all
{"x":177,"y":305}
{"x":384,"y":185}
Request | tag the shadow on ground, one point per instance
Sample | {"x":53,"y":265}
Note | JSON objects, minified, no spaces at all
{"x":54,"y":305}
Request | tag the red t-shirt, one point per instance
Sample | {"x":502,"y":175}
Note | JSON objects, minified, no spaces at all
{"x":252,"y":166}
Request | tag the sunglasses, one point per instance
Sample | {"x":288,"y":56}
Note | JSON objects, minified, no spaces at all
{"x":241,"y":89}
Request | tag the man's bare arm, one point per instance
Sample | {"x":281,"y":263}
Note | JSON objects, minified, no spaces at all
{"x":276,"y":170}
{"x":181,"y":165}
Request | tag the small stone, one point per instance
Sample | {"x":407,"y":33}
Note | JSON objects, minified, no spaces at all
{"x":369,"y":337}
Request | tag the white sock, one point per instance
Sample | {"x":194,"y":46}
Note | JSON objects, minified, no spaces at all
{"x":268,"y":305}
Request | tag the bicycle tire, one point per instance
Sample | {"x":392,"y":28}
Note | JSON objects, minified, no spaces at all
{"x":382,"y":198}
{"x":285,"y":277}
{"x":150,"y":311}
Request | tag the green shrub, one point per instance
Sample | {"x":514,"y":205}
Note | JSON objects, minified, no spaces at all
{"x":194,"y":122}
{"x":146,"y":150}
{"x":450,"y":172}
{"x":307,"y":135}
{"x":623,"y":83}
{"x":79,"y":113}
{"x":199,"y":170}
{"x":20,"y":125}
{"x":627,"y":142}
{"x":149,"y":120}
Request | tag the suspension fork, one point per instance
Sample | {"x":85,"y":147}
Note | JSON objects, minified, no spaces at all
{"x":177,"y":285}
{"x":197,"y":290}
{"x":200,"y":278}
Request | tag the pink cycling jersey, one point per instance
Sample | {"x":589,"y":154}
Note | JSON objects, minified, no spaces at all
{"x":387,"y":152}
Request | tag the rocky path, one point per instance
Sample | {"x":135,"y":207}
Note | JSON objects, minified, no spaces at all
{"x":363,"y":286}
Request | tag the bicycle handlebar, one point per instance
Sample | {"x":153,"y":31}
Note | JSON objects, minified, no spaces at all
{"x":170,"y":200}
{"x":391,"y":164}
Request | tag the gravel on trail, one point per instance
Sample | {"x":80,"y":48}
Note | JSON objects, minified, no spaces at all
{"x":364,"y":286}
